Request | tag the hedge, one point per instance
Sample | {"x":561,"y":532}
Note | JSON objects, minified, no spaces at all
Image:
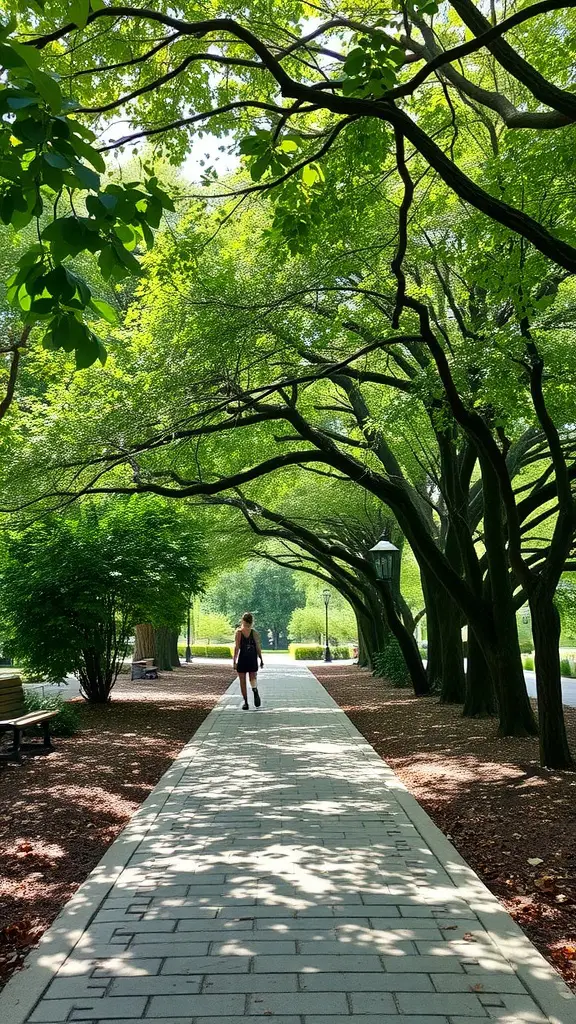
{"x":528,"y":664}
{"x":211,"y":651}
{"x":312,"y":653}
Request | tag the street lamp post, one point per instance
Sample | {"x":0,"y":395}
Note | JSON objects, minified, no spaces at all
{"x":326,"y":596}
{"x":188,"y":647}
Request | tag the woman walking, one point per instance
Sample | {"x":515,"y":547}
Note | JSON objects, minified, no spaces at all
{"x":247,"y":652}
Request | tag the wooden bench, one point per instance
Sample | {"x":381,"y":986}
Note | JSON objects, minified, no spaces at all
{"x":13,"y":716}
{"x":144,"y":669}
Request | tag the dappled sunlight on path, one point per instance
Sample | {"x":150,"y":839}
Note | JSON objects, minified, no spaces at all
{"x":281,"y":869}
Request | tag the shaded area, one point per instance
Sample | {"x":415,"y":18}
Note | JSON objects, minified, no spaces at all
{"x":59,"y":814}
{"x":489,"y":795}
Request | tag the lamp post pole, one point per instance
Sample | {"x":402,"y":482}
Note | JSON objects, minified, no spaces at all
{"x":327,"y":654}
{"x":188,"y":648}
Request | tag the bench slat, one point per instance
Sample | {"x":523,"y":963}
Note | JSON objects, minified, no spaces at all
{"x":20,"y":721}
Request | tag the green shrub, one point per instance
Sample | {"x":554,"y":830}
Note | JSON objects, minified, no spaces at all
{"x":341,"y":652}
{"x":67,"y":721}
{"x":211,"y":651}
{"x":304,"y":653}
{"x":390,"y":664}
{"x":565,"y":668}
{"x":528,"y":664}
{"x":526,"y":647}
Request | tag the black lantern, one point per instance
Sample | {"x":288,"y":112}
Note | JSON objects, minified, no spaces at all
{"x":384,"y":556}
{"x":327,"y":654}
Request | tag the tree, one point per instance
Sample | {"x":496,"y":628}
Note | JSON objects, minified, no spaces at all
{"x":310,"y":87}
{"x":74,"y":587}
{"x":268,"y":592}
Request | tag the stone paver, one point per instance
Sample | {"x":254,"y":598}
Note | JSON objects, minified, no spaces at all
{"x":281,"y":870}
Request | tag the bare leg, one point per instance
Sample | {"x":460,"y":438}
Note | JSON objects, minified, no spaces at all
{"x":254,"y":685}
{"x":242,"y":678}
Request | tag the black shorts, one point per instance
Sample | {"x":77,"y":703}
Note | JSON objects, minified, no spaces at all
{"x":247,"y":662}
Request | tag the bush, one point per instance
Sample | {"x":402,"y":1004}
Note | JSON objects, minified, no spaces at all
{"x":341,"y":652}
{"x":390,"y":664}
{"x":565,"y":668}
{"x":526,"y":647}
{"x":528,"y":664}
{"x":67,"y":721}
{"x":211,"y":651}
{"x":304,"y":653}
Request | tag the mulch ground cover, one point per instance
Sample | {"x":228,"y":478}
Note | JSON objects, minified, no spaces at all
{"x":58,"y":814}
{"x":512,"y":821}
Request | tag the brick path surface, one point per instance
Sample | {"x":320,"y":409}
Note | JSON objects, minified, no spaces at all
{"x":281,"y":870}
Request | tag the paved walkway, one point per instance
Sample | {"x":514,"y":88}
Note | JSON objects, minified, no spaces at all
{"x":280,"y":870}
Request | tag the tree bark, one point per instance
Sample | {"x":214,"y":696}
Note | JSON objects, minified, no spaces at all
{"x":162,"y":636}
{"x":407,"y":643}
{"x":498,"y":633}
{"x":480,"y":699}
{"x":145,"y":646}
{"x":174,"y":655}
{"x":554,"y":749}
{"x":453,"y":683}
{"x":434,"y":648}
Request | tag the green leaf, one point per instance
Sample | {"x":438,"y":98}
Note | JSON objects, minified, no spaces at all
{"x":49,"y":90}
{"x":86,"y":176}
{"x":55,"y":159}
{"x":10,"y":58}
{"x":105,"y":310}
{"x":20,"y":102}
{"x":29,"y":54}
{"x":128,"y":259}
{"x":90,"y":154}
{"x":355,"y":61}
{"x":78,"y":11}
{"x":107,"y":261}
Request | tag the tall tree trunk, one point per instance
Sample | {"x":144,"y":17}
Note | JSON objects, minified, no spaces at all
{"x":145,"y":646}
{"x":174,"y":655}
{"x":554,"y":749}
{"x":480,"y":698}
{"x":498,"y":633}
{"x":453,"y":686}
{"x":162,"y":635}
{"x":407,"y":643}
{"x":434,"y":648}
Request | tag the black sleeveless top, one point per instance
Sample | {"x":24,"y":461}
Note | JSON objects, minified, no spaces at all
{"x":247,"y":655}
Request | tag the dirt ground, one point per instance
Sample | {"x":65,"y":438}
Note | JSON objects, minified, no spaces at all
{"x":58,"y":814}
{"x":514,"y":822}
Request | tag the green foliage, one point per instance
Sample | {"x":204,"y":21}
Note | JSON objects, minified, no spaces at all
{"x":526,"y":646}
{"x":306,"y":653}
{"x":340,"y":653}
{"x":565,"y":668}
{"x":371,"y":67}
{"x":66,"y":722}
{"x":211,"y":651}
{"x":48,"y":161}
{"x":528,"y":664}
{"x":390,"y":664}
{"x":74,"y":587}
{"x":268,"y":591}
{"x":213,"y":627}
{"x":309,"y":623}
